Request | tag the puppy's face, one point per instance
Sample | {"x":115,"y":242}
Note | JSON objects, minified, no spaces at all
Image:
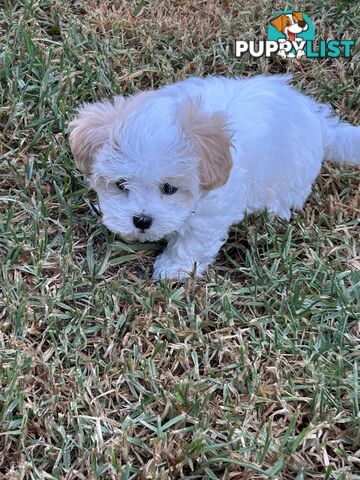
{"x":149,"y":159}
{"x":145,"y":209}
{"x":147,"y":188}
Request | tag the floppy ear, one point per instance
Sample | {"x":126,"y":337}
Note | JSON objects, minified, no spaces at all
{"x":95,"y":123}
{"x":90,"y":130}
{"x":212,"y":142}
{"x":279,"y":22}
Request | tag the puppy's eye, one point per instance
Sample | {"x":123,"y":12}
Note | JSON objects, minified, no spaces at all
{"x":168,"y":189}
{"x":121,"y":184}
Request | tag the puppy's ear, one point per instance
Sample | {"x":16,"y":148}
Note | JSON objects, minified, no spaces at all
{"x":91,"y":128}
{"x":212,"y":142}
{"x":95,"y":124}
{"x":279,"y":22}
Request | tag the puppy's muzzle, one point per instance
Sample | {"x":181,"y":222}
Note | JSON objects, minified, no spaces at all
{"x":142,"y":221}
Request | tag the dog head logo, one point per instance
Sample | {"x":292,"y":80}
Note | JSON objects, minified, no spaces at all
{"x":289,"y":27}
{"x":290,"y":24}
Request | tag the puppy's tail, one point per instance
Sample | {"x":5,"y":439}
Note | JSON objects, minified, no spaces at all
{"x":341,"y":140}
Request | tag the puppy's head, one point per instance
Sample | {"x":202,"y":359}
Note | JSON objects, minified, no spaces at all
{"x":150,"y":158}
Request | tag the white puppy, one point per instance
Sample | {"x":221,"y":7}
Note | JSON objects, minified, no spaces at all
{"x":188,"y":160}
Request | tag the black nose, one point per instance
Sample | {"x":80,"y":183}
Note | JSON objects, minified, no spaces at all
{"x":142,"y":221}
{"x":302,"y":23}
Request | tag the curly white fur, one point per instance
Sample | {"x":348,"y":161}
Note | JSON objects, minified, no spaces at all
{"x":228,"y":146}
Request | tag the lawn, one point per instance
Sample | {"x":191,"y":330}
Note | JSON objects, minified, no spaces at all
{"x":249,"y":373}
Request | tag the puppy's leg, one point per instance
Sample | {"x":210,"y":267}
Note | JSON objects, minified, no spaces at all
{"x":193,"y":250}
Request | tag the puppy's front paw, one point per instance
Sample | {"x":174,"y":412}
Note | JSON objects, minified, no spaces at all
{"x":164,"y":267}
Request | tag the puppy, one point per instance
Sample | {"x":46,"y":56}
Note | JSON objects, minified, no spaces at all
{"x":187,"y":161}
{"x":290,"y":25}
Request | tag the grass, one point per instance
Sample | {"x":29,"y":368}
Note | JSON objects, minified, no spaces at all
{"x":249,"y":374}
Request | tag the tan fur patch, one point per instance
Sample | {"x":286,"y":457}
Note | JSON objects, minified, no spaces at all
{"x":95,"y":123}
{"x":91,"y":129}
{"x":212,"y":144}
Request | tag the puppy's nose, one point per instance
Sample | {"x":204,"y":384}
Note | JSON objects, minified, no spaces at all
{"x":302,"y":23}
{"x":142,"y":221}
